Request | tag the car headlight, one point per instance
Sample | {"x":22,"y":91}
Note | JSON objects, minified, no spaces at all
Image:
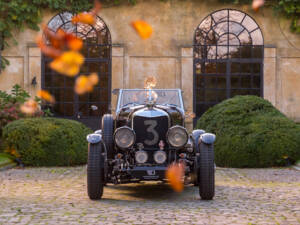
{"x":124,"y":137}
{"x":177,"y":136}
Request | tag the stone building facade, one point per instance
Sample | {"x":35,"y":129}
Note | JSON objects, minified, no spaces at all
{"x":184,"y":52}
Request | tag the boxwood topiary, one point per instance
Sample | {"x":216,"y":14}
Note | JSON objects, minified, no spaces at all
{"x":251,"y":133}
{"x":47,"y":141}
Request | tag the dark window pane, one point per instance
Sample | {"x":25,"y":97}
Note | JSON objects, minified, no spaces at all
{"x":48,"y":80}
{"x":83,"y":109}
{"x":256,"y":92}
{"x":95,"y":95}
{"x":69,"y":95}
{"x":210,"y":95}
{"x":58,"y":94}
{"x":245,"y":51}
{"x":103,"y":81}
{"x":221,"y":82}
{"x":256,"y":67}
{"x":104,"y":95}
{"x":246,"y":67}
{"x":59,"y":109}
{"x":69,"y":109}
{"x":210,"y":82}
{"x":70,"y":81}
{"x":235,"y":67}
{"x":222,"y":95}
{"x":94,"y":51}
{"x":221,"y":67}
{"x":257,"y":52}
{"x":246,"y":81}
{"x":58,"y":80}
{"x":103,"y":109}
{"x":200,"y":81}
{"x":256,"y":81}
{"x":235,"y":81}
{"x":105,"y":51}
{"x":83,"y":97}
{"x":103,"y":67}
{"x":200,"y":95}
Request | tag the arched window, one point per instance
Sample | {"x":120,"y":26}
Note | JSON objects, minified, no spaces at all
{"x":90,"y":107}
{"x":228,"y":58}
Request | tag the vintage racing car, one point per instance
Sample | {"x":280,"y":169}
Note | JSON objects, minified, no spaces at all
{"x":146,"y":136}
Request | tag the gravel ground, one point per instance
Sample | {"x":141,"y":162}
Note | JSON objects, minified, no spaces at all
{"x":58,"y":196}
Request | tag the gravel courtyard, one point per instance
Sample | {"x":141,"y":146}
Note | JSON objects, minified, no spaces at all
{"x":58,"y":196}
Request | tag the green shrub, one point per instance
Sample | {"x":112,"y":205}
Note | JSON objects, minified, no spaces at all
{"x":47,"y":141}
{"x":251,"y":133}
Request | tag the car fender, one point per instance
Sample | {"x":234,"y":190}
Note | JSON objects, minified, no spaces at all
{"x":207,"y":138}
{"x":196,"y":135}
{"x":94,"y":138}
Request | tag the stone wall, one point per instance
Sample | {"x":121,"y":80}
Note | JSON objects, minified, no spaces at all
{"x":168,"y":53}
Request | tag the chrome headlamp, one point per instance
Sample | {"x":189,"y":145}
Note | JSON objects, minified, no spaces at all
{"x":177,"y":136}
{"x":124,"y":137}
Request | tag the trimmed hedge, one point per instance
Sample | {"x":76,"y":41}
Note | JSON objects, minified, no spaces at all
{"x":251,"y":133}
{"x":47,"y":141}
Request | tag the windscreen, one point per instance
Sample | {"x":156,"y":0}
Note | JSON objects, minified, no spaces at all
{"x":141,"y":97}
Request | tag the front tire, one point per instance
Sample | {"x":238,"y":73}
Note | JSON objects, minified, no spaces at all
{"x":107,"y":134}
{"x":206,"y":172}
{"x":95,"y":171}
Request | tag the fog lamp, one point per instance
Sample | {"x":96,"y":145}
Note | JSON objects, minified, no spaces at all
{"x":141,"y":156}
{"x":160,"y":157}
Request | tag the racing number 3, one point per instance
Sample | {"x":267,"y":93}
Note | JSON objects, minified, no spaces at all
{"x":151,"y":125}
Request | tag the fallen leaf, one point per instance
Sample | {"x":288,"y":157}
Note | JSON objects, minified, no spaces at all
{"x":93,"y":78}
{"x":68,"y":63}
{"x":29,"y":107}
{"x":174,"y":174}
{"x":143,"y":29}
{"x":256,"y":4}
{"x":48,"y":50}
{"x":45,"y":95}
{"x":85,"y":84}
{"x":74,"y":43}
{"x":85,"y":17}
{"x":150,"y":82}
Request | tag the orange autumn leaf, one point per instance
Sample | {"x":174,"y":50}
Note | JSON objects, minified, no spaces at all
{"x":88,"y":17}
{"x":190,"y":115}
{"x":93,"y":78}
{"x":29,"y":107}
{"x":48,"y":50}
{"x":150,"y":82}
{"x":45,"y":95}
{"x":96,"y":8}
{"x":85,"y":84}
{"x":75,"y":43}
{"x":256,"y":4}
{"x":143,"y":29}
{"x":84,"y":17}
{"x":175,"y":174}
{"x":68,"y":63}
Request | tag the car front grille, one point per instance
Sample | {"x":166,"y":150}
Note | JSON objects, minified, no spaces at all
{"x":150,"y":130}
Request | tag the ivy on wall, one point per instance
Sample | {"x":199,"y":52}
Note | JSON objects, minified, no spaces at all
{"x":16,"y":14}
